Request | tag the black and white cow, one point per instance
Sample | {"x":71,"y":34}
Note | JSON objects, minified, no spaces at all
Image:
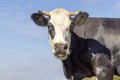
{"x":86,"y":46}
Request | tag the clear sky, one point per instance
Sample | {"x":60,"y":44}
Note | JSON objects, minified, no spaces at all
{"x":25,"y":53}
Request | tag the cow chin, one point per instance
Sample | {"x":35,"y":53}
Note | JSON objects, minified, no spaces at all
{"x":61,"y":56}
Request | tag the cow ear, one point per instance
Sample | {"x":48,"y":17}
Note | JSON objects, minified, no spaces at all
{"x":80,"y":18}
{"x":39,"y":19}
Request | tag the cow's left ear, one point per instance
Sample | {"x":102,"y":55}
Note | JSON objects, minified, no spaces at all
{"x":80,"y":18}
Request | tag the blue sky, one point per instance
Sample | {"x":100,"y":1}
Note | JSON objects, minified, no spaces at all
{"x":25,"y":53}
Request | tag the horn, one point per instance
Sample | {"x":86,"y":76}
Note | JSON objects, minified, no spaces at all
{"x":73,"y":13}
{"x":44,"y":12}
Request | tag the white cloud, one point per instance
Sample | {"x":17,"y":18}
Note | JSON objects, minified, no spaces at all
{"x":27,"y":29}
{"x":117,"y":6}
{"x":93,"y":1}
{"x":17,"y":20}
{"x":30,"y":68}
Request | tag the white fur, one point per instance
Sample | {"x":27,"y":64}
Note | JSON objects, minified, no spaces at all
{"x":61,"y":21}
{"x":99,"y":70}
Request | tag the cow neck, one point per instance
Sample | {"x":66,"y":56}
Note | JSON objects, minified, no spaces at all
{"x":77,"y":44}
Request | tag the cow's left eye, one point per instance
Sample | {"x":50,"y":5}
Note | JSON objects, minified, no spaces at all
{"x":51,"y":30}
{"x":67,"y":29}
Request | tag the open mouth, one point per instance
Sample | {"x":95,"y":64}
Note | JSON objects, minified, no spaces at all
{"x":60,"y":55}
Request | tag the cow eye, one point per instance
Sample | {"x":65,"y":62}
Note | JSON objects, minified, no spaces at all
{"x":51,"y":30}
{"x":67,"y":29}
{"x":71,"y":27}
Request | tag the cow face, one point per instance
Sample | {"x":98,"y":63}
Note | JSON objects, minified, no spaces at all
{"x":58,"y":22}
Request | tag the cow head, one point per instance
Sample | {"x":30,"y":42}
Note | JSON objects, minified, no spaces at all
{"x":58,"y":22}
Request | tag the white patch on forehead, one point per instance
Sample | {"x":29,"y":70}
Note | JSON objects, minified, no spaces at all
{"x":61,"y":21}
{"x":60,"y":18}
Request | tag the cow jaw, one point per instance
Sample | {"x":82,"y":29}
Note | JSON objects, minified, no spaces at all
{"x":59,"y":55}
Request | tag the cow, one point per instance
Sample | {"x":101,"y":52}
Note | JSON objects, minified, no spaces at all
{"x":87,"y":46}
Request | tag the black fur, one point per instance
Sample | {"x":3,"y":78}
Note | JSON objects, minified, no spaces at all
{"x":95,"y":44}
{"x":80,"y":18}
{"x":93,"y":47}
{"x":51,"y":30}
{"x":39,"y":19}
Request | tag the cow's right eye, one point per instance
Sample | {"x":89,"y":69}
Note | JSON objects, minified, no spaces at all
{"x":51,"y":30}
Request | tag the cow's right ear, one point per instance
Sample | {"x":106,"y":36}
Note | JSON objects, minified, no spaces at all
{"x":80,"y":18}
{"x":39,"y":19}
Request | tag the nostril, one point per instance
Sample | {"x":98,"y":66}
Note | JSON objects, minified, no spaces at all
{"x":55,"y":46}
{"x":65,"y":47}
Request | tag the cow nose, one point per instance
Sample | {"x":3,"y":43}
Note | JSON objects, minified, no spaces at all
{"x":60,"y":48}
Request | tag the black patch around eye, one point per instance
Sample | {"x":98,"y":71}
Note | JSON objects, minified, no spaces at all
{"x":51,"y":30}
{"x":71,"y":27}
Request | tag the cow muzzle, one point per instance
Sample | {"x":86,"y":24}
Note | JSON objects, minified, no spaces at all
{"x":60,"y":51}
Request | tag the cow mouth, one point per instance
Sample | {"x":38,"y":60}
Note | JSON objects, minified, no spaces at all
{"x":61,"y":55}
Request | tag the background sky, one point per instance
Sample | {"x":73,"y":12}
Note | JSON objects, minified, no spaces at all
{"x":25,"y":53}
